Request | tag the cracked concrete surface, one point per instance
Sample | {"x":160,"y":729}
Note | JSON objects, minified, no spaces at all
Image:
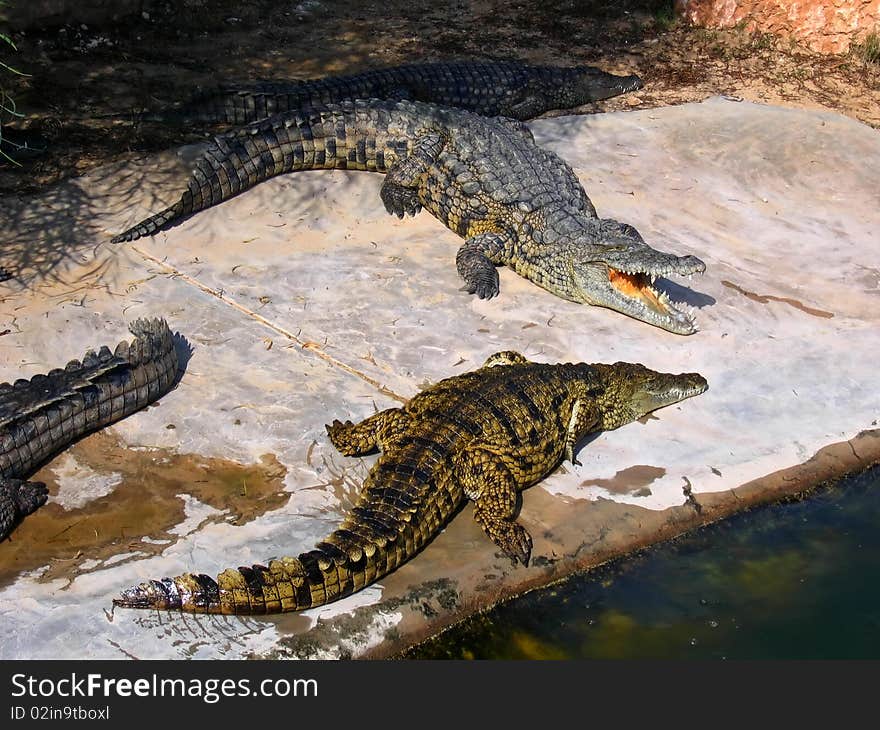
{"x":303,"y":302}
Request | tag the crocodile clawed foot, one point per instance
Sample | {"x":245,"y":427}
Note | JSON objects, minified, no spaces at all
{"x":336,"y":429}
{"x":31,"y":496}
{"x":484,"y":289}
{"x":28,"y":496}
{"x":342,"y":437}
{"x":18,"y":499}
{"x":515,"y":541}
{"x":399,"y":200}
{"x":484,"y":286}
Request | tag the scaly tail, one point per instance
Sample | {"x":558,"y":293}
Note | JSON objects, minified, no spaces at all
{"x":232,"y":104}
{"x":321,"y":138}
{"x":335,"y":569}
{"x":41,"y":416}
{"x":387,"y":527}
{"x":153,"y":223}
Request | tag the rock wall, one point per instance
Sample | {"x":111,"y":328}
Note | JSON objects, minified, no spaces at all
{"x":826,"y":26}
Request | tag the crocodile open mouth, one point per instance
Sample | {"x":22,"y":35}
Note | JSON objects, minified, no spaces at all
{"x":648,"y":303}
{"x":637,"y":285}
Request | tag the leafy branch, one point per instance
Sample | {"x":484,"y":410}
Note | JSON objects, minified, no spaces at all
{"x":7,"y":103}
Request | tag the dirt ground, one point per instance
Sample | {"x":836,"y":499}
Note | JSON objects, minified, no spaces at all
{"x":80,"y":76}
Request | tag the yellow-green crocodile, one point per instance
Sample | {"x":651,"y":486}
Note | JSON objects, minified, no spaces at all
{"x":481,"y":436}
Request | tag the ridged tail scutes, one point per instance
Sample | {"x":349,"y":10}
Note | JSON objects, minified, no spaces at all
{"x":153,"y":339}
{"x":188,"y":590}
{"x":147,"y":364}
{"x":382,"y":532}
{"x":285,"y":585}
{"x":239,"y":160}
{"x":333,"y":570}
{"x":152,"y":224}
{"x":44,"y":415}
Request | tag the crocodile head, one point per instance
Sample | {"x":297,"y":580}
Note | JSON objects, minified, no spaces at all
{"x":583,"y":84}
{"x":631,"y":391}
{"x":615,"y":268}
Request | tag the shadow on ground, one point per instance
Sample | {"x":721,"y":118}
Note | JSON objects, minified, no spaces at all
{"x":86,"y":86}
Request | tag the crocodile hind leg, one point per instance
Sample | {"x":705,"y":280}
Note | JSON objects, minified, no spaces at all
{"x":492,"y":488}
{"x":375,"y":432}
{"x":476,"y":261}
{"x":400,"y":190}
{"x":18,"y":499}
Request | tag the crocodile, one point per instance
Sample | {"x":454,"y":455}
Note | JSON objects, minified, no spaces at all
{"x":481,"y":436}
{"x":44,"y":415}
{"x":485,"y":178}
{"x":493,"y":88}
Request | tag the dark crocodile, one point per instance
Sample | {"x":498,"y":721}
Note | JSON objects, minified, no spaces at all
{"x":506,"y":88}
{"x":481,"y":436}
{"x":514,"y":202}
{"x":44,"y":415}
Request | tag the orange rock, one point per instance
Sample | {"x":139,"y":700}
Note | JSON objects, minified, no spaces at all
{"x":826,"y":26}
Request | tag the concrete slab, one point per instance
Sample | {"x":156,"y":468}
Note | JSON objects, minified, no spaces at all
{"x":304,"y":302}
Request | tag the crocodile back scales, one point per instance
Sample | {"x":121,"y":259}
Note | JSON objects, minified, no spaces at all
{"x":482,"y":155}
{"x":491,"y":88}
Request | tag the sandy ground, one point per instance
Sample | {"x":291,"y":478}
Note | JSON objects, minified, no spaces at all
{"x":79,"y":73}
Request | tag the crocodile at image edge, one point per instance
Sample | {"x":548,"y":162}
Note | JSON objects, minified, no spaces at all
{"x":44,"y":415}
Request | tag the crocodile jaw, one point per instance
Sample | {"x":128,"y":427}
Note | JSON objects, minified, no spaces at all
{"x":680,"y":387}
{"x":651,"y":305}
{"x":662,"y":389}
{"x":632,"y":292}
{"x":633,"y":390}
{"x":590,"y":84}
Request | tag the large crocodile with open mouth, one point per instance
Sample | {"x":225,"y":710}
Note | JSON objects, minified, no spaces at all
{"x":493,"y":88}
{"x":41,"y":416}
{"x":481,"y":436}
{"x":514,"y":202}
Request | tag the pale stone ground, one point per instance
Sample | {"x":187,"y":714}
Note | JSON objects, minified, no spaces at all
{"x":304,"y":302}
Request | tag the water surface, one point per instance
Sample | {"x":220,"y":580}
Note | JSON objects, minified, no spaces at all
{"x":797,"y":580}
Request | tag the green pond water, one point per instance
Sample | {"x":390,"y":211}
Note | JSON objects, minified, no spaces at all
{"x":798,"y":580}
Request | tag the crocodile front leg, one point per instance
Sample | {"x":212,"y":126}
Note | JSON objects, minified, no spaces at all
{"x":476,"y":261}
{"x":584,"y":417}
{"x":375,"y":432}
{"x":18,"y":499}
{"x":400,"y":190}
{"x":491,"y":486}
{"x":528,"y":106}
